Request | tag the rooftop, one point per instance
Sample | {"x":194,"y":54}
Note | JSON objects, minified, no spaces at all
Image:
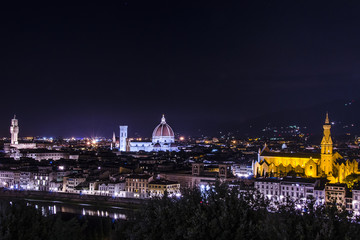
{"x":293,"y":155}
{"x":163,"y":182}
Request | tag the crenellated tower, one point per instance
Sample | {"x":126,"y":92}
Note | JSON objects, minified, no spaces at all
{"x":14,"y":130}
{"x":326,"y":163}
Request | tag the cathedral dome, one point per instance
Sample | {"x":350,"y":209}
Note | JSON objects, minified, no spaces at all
{"x":163,"y":130}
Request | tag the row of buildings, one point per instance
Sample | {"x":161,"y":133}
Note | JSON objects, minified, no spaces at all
{"x":300,"y":190}
{"x":118,"y":185}
{"x":131,"y":185}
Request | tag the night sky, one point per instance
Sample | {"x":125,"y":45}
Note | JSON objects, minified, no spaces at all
{"x":81,"y":70}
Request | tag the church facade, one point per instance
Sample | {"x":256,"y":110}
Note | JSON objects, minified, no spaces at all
{"x":324,"y":164}
{"x":163,"y":139}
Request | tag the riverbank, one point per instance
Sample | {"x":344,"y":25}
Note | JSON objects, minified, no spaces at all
{"x":96,"y":201}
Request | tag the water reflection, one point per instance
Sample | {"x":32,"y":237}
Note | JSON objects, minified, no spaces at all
{"x":49,"y":208}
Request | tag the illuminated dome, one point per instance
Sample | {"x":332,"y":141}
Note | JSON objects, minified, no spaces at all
{"x":163,"y":133}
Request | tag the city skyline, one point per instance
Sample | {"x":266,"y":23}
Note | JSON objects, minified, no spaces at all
{"x":140,"y":119}
{"x":266,"y":131}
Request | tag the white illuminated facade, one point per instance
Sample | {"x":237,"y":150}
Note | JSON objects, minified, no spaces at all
{"x":296,"y":189}
{"x":163,"y":139}
{"x":356,"y":200}
{"x":14,"y":130}
{"x":123,"y":138}
{"x":14,"y":145}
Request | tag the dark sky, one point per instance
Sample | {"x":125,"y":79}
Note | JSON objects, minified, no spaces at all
{"x":81,"y":70}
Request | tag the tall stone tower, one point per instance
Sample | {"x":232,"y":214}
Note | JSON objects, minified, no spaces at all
{"x":122,"y":138}
{"x":114,"y":139}
{"x":14,"y":130}
{"x":326,"y":164}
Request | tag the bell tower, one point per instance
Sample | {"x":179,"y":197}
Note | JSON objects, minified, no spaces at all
{"x":123,"y":138}
{"x":326,"y":163}
{"x":14,"y":130}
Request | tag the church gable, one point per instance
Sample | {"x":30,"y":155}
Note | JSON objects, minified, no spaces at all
{"x":337,"y":156}
{"x":299,"y":169}
{"x":311,"y":168}
{"x":281,"y":168}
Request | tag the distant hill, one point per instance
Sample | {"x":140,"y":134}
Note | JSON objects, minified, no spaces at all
{"x":345,"y":116}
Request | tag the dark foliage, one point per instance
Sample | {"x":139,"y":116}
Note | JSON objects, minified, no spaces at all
{"x":219,"y":213}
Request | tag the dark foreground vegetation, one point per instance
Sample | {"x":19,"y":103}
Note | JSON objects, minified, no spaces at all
{"x":218,"y":214}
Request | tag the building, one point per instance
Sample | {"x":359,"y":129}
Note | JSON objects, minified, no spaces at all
{"x":42,"y":180}
{"x":242,"y":170}
{"x":55,"y":186}
{"x":72,"y":181}
{"x":14,"y":142}
{"x":326,"y":164}
{"x":160,"y":186}
{"x":138,"y":184}
{"x":7,"y":178}
{"x":319,"y":194}
{"x":293,"y":188}
{"x":201,"y":175}
{"x":356,"y":199}
{"x":269,"y":188}
{"x":335,"y":193}
{"x":14,"y":131}
{"x":163,"y":139}
{"x":39,"y":154}
{"x":26,"y":180}
{"x":114,"y":189}
{"x":123,"y":138}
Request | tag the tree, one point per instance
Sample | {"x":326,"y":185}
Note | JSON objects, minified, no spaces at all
{"x":226,"y":213}
{"x":352,"y":179}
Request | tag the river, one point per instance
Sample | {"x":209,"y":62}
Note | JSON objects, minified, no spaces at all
{"x":80,"y":209}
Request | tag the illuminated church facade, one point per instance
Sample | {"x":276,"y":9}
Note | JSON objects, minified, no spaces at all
{"x":325,"y":164}
{"x":163,"y":139}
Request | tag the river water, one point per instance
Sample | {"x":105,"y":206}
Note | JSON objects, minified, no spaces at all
{"x":55,"y":207}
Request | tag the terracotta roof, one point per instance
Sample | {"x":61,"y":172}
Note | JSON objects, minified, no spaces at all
{"x":294,"y":155}
{"x":163,"y":129}
{"x":139,"y":176}
{"x":163,"y":182}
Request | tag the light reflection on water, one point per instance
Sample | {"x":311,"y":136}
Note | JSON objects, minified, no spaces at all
{"x":48,"y":208}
